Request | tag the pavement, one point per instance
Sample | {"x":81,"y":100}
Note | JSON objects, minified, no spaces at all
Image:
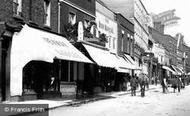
{"x":55,"y":103}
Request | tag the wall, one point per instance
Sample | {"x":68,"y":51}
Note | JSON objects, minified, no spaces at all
{"x":171,"y":45}
{"x":141,"y":14}
{"x":87,"y":5}
{"x":37,"y":12}
{"x":125,"y":7}
{"x":141,"y":24}
{"x":168,"y":42}
{"x":64,"y":11}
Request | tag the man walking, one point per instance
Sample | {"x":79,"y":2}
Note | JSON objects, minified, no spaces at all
{"x":142,"y":84}
{"x":133,"y":84}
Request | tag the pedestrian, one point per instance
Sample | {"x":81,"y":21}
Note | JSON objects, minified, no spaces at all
{"x":156,"y":80}
{"x":146,"y":81}
{"x":133,"y":84}
{"x":142,"y":84}
{"x":174,"y":83}
{"x":165,"y":85}
{"x":137,"y":83}
{"x":52,"y":84}
{"x":179,"y":83}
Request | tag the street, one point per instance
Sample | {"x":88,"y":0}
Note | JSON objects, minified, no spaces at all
{"x":155,"y":103}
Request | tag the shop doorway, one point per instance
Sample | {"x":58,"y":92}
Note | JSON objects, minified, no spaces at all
{"x":39,"y":78}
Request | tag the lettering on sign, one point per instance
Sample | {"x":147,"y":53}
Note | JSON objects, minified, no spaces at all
{"x":105,"y":27}
{"x":55,"y":42}
{"x":67,"y":89}
{"x":68,"y":54}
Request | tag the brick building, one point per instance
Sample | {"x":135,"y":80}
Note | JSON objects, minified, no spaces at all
{"x":125,"y":35}
{"x":13,"y":14}
{"x":74,"y":11}
{"x":38,"y":22}
{"x":135,"y":11}
{"x":168,"y":42}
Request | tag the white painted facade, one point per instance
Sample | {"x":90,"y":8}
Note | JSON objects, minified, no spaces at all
{"x":141,"y":20}
{"x":107,"y":25}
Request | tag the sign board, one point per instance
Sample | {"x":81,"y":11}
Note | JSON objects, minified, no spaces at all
{"x":68,"y":89}
{"x":80,"y":31}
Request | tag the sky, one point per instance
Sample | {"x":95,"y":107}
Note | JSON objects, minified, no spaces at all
{"x":182,"y":10}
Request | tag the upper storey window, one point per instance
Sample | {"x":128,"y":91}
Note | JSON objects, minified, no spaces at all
{"x":17,"y":7}
{"x":47,"y":7}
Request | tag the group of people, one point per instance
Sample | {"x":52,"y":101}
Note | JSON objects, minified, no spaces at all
{"x":141,"y":81}
{"x":175,"y":82}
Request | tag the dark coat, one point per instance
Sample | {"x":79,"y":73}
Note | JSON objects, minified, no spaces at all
{"x":133,"y":82}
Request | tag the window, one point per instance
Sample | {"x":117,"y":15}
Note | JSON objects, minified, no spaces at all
{"x":131,"y":45}
{"x":72,"y":18}
{"x":128,"y":43}
{"x":114,"y":40}
{"x":122,"y":32}
{"x":86,"y":23}
{"x":17,"y":7}
{"x":109,"y":41}
{"x":68,"y":69}
{"x":47,"y":6}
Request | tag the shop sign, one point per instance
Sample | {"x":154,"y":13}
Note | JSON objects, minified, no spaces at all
{"x":80,"y":31}
{"x":106,"y":25}
{"x":67,"y":89}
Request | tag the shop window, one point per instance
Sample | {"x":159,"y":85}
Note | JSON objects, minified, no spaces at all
{"x":71,"y":77}
{"x":72,"y":18}
{"x":47,"y":7}
{"x":64,"y":71}
{"x":67,"y":71}
{"x":37,"y":77}
{"x":17,"y":7}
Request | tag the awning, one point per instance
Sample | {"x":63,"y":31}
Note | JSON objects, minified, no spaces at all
{"x":100,"y":56}
{"x":34,"y":44}
{"x":124,"y":66}
{"x":132,"y":62}
{"x":169,"y":69}
{"x":181,"y":70}
{"x":178,"y":72}
{"x":130,"y":59}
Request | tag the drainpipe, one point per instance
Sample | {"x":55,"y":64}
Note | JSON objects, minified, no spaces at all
{"x":1,"y":95}
{"x":30,"y":10}
{"x":59,"y":10}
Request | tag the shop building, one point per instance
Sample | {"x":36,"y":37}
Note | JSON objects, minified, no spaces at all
{"x":27,"y":71}
{"x":71,"y":12}
{"x":75,"y":21}
{"x":125,"y":49}
{"x":14,"y":14}
{"x":43,"y":72}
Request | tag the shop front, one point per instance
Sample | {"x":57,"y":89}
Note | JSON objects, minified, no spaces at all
{"x":44,"y":65}
{"x":103,"y":72}
{"x":124,"y":73}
